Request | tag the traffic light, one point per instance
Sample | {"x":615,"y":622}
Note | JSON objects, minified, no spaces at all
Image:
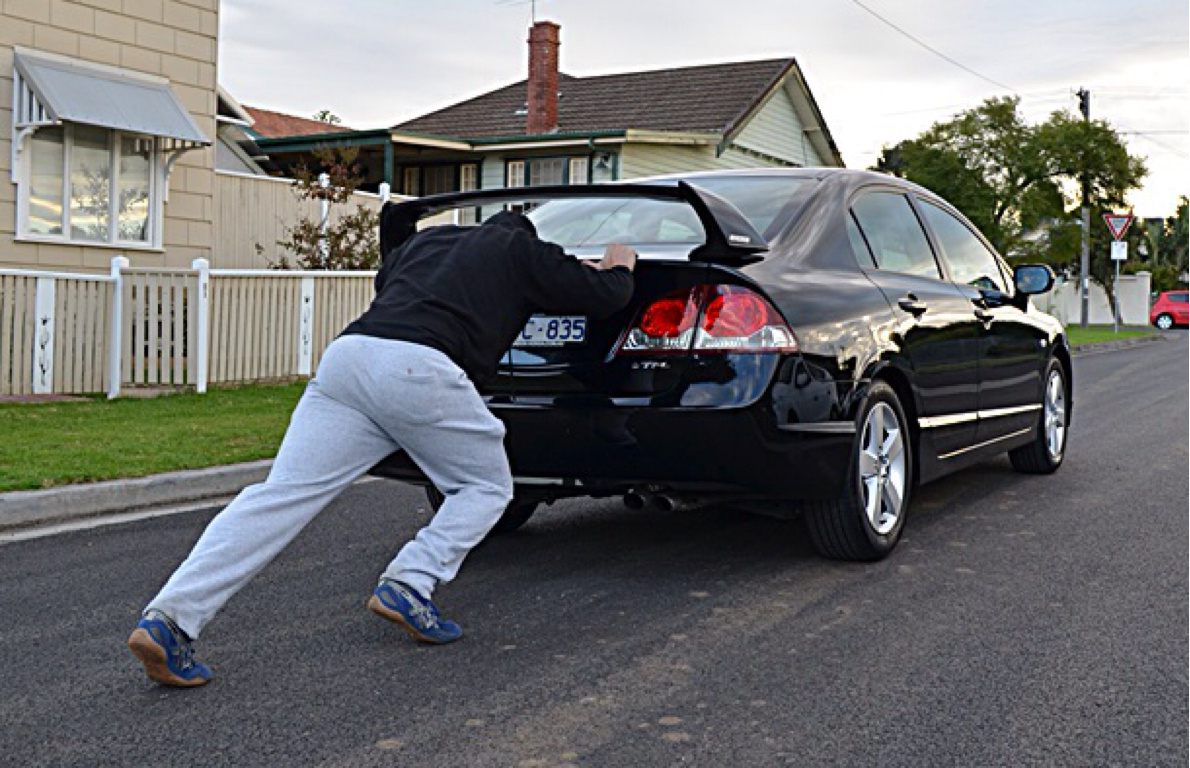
{"x":1084,"y":102}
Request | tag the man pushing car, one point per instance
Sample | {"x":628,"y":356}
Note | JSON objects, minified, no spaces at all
{"x":449,"y":301}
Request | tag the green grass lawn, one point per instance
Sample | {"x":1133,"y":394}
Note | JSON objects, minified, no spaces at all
{"x":54,"y":443}
{"x":1092,"y":333}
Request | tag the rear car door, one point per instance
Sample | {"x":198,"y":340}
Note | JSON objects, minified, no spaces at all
{"x":936,"y":325}
{"x":1181,"y":307}
{"x":1012,"y":349}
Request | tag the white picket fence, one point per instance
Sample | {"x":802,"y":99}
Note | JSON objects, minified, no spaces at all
{"x":64,"y":333}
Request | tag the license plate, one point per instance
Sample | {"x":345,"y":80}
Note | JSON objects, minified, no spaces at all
{"x":552,"y":331}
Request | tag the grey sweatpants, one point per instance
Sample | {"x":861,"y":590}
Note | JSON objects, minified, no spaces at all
{"x":369,"y":397}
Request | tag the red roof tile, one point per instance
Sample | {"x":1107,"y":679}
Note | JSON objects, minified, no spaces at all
{"x":270,"y":124}
{"x":709,"y":98}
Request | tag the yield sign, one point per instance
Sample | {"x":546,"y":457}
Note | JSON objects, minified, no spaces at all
{"x":1117,"y":223}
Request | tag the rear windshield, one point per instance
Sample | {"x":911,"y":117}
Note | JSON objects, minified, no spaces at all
{"x":587,"y":222}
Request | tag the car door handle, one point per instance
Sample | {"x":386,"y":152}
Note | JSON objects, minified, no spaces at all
{"x":913,"y":305}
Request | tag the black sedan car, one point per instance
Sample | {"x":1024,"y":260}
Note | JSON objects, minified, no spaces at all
{"x":801,"y":341}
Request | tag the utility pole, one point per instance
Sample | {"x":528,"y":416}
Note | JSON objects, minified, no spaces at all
{"x":1084,"y":273}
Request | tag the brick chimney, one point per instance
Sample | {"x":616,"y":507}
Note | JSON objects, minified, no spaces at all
{"x":544,"y":41}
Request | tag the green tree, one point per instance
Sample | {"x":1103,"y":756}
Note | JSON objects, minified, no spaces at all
{"x":1170,"y":261}
{"x":328,"y":117}
{"x":1021,"y":184}
{"x":345,"y":240}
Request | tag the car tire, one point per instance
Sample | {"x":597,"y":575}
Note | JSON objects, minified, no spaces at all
{"x":1164,"y":321}
{"x":1044,"y":455}
{"x":516,"y":514}
{"x":865,"y":523}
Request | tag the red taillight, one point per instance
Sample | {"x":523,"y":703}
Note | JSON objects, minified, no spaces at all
{"x":668,"y":317}
{"x":734,"y":311}
{"x":709,"y":318}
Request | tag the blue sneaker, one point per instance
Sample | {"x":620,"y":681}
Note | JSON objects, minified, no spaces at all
{"x":165,"y":651}
{"x":406,"y":608}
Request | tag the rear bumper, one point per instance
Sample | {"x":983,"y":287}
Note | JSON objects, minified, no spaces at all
{"x":560,"y":451}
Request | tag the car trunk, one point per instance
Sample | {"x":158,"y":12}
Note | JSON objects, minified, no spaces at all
{"x":597,"y":369}
{"x":690,"y":240}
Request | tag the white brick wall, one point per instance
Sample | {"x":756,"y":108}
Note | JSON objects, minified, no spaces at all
{"x":175,"y":39}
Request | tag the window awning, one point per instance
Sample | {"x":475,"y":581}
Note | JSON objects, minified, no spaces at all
{"x":54,"y":89}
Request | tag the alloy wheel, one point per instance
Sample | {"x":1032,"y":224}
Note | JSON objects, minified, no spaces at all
{"x":1055,"y":415}
{"x":882,"y":468}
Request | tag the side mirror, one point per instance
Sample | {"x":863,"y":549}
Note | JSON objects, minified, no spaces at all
{"x":1031,"y":279}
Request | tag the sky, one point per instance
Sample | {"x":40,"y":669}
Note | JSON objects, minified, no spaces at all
{"x":881,"y":70}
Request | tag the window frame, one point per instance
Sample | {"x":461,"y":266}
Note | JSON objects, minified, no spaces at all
{"x":941,"y":271}
{"x":157,"y":186}
{"x":940,"y":247}
{"x":524,"y":166}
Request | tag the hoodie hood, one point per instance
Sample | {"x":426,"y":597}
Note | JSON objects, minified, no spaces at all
{"x":511,"y":220}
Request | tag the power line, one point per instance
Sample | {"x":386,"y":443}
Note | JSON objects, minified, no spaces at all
{"x":935,"y":51}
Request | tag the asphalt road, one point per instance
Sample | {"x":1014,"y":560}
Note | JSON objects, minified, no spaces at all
{"x":1022,"y":621}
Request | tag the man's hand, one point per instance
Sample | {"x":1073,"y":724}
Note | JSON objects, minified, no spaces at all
{"x":616,"y":255}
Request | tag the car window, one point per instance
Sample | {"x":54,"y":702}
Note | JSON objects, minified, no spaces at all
{"x":600,"y":221}
{"x":863,"y":254}
{"x":1181,"y":298}
{"x":892,"y":231}
{"x":759,"y":198}
{"x":970,"y":261}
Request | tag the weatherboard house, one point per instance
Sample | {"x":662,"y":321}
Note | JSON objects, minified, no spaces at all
{"x":554,"y":128}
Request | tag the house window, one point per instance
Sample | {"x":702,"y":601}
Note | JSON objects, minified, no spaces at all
{"x":412,"y":177}
{"x":91,"y":185}
{"x":468,"y":177}
{"x":579,"y":170}
{"x":542,"y":171}
{"x":469,"y":180}
{"x":438,"y":179}
{"x":516,"y":173}
{"x":92,"y":146}
{"x":547,"y":171}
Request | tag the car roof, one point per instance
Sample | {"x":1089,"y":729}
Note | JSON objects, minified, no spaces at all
{"x":850,"y":178}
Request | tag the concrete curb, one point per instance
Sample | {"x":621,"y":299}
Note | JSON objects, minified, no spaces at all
{"x":26,"y":509}
{"x":21,"y":509}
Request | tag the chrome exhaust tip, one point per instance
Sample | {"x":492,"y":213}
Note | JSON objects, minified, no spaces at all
{"x":634,"y":500}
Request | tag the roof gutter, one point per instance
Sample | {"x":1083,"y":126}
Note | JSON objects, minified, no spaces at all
{"x":316,"y":140}
{"x":430,"y":141}
{"x":688,"y":138}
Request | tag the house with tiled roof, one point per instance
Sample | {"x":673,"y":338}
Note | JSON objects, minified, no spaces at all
{"x":554,"y":128}
{"x":267,"y":124}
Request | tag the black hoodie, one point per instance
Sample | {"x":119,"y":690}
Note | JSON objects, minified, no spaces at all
{"x":468,"y":291}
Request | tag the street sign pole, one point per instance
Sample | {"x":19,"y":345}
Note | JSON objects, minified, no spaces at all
{"x":1117,"y":224}
{"x":1084,"y":260}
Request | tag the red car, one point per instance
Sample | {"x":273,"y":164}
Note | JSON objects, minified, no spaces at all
{"x":1171,"y":308}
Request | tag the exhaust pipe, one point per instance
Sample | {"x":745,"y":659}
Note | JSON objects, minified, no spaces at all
{"x":634,"y":500}
{"x":663,"y":502}
{"x":666,"y":503}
